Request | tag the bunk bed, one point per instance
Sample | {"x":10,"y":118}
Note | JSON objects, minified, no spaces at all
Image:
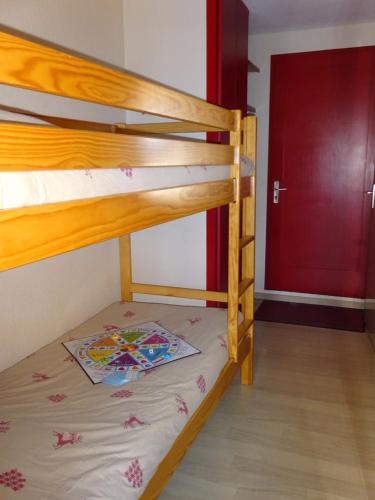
{"x":55,"y":461}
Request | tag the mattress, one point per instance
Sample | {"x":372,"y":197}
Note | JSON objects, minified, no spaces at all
{"x":20,"y":189}
{"x":62,"y":437}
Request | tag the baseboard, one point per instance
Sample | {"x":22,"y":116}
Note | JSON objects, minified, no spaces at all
{"x":309,"y":298}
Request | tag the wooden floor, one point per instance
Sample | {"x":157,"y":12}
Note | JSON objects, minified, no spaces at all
{"x":305,"y":430}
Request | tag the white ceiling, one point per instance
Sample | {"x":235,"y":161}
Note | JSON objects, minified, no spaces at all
{"x":271,"y":16}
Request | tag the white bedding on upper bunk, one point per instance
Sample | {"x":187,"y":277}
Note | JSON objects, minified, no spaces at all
{"x":20,"y":189}
{"x":111,"y":439}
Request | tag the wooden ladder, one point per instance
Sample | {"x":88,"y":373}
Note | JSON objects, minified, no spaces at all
{"x":241,"y":251}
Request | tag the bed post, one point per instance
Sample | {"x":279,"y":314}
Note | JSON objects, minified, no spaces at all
{"x":248,"y":253}
{"x":125,"y":267}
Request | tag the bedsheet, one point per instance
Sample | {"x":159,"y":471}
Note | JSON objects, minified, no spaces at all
{"x":61,"y":437}
{"x":20,"y":189}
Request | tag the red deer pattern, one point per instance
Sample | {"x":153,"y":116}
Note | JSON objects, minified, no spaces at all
{"x":69,"y":359}
{"x":193,"y":321}
{"x":132,"y":422}
{"x":129,"y":314}
{"x":64,"y":438}
{"x":181,"y":404}
{"x":110,"y":328}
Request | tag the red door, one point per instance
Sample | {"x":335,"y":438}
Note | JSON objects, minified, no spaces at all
{"x":370,"y":277}
{"x":319,"y":121}
{"x":227,"y":61}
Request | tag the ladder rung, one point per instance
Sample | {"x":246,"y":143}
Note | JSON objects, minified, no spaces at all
{"x":172,"y":291}
{"x":245,"y":240}
{"x":244,"y":327}
{"x":244,"y":285}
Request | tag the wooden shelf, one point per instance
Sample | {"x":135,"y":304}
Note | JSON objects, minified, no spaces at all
{"x":251,"y":68}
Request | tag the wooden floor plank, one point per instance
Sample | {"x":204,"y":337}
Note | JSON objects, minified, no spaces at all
{"x":305,"y":430}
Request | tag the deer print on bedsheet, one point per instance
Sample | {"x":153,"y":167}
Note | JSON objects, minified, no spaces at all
{"x":193,"y":321}
{"x":110,"y":328}
{"x":64,"y":438}
{"x":132,"y":422}
{"x":182,"y":406}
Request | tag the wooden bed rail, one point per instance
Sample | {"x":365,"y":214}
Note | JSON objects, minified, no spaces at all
{"x":159,"y":128}
{"x":39,"y":67}
{"x":34,"y":233}
{"x":38,"y":147}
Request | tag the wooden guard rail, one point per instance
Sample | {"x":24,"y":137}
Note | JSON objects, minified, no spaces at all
{"x":34,"y":66}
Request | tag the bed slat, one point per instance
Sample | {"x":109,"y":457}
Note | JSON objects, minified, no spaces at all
{"x":35,"y":147}
{"x":33,"y":233}
{"x":34,"y":66}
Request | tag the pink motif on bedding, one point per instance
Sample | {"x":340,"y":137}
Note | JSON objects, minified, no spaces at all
{"x":57,"y":398}
{"x":69,"y":359}
{"x":128,"y":172}
{"x":181,"y":405}
{"x":12,"y":479}
{"x":193,"y":321}
{"x":40,"y":377}
{"x":201,"y":383}
{"x":132,"y":422}
{"x":124,"y":393}
{"x":4,"y":426}
{"x":110,"y":328}
{"x":88,"y":173}
{"x":223,"y":341}
{"x":129,"y":314}
{"x":64,"y":438}
{"x":134,"y":474}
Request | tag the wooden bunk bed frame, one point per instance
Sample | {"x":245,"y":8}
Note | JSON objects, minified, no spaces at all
{"x":33,"y":233}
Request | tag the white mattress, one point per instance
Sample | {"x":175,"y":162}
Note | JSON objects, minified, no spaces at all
{"x":20,"y":189}
{"x":61,"y":437}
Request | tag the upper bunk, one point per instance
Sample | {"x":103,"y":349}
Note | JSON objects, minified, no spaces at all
{"x":55,"y":144}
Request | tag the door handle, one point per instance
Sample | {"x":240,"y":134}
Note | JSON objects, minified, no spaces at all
{"x":372,"y":196}
{"x":277,"y":189}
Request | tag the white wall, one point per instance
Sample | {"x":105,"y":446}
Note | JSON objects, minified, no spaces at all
{"x":165,"y":40}
{"x":261,"y":47}
{"x":40,"y":301}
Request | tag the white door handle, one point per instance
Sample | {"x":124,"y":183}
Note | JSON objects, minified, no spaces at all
{"x":372,"y":196}
{"x":276,"y":190}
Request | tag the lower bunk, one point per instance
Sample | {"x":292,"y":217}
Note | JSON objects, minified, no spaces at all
{"x":62,"y":437}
